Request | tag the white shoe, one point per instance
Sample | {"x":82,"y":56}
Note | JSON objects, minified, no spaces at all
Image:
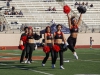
{"x":22,"y":62}
{"x":75,"y":55}
{"x":53,"y":66}
{"x":29,"y":62}
{"x":43,"y":65}
{"x":61,"y":67}
{"x":26,"y":61}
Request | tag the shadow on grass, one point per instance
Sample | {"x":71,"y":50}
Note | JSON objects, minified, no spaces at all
{"x":16,"y":65}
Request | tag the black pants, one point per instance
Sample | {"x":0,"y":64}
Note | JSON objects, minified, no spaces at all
{"x":72,"y":42}
{"x":47,"y":54}
{"x":23,"y":54}
{"x":30,"y":48}
{"x":60,"y":55}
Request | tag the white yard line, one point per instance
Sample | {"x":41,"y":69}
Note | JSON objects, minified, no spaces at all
{"x":41,"y":72}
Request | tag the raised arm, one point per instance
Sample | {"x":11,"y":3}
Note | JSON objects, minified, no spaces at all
{"x":79,"y":20}
{"x":69,"y":21}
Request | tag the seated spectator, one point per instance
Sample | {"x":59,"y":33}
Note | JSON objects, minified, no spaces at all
{"x":20,"y":13}
{"x":9,"y":12}
{"x":91,"y":5}
{"x":13,"y":13}
{"x":76,"y":4}
{"x":6,"y":13}
{"x":16,"y":13}
{"x":13,"y":8}
{"x":83,"y":3}
{"x":53,"y":9}
{"x":79,"y":3}
{"x":49,"y":9}
{"x":86,"y":4}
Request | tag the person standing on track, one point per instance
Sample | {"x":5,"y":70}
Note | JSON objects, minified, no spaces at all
{"x":48,"y":42}
{"x":73,"y":26}
{"x":24,"y":43}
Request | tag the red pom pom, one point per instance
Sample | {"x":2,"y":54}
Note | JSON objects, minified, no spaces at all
{"x":46,"y":49}
{"x":56,"y":48}
{"x":24,"y":38}
{"x":21,"y":47}
{"x":66,"y":9}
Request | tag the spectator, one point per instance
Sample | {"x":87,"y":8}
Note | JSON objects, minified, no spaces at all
{"x":52,"y":21}
{"x":13,"y":13}
{"x":6,"y":13}
{"x":53,"y":9}
{"x":20,"y":13}
{"x":93,"y":30}
{"x":1,"y":26}
{"x":49,"y":9}
{"x":9,"y":12}
{"x":86,"y":4}
{"x":83,"y":3}
{"x":79,"y":3}
{"x":76,"y":4}
{"x":8,"y":4}
{"x":16,"y":13}
{"x":22,"y":27}
{"x":13,"y":8}
{"x":91,"y":5}
{"x":4,"y":26}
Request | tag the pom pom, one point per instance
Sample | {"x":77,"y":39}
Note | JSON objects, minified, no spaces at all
{"x":81,"y":9}
{"x":56,"y":48}
{"x":46,"y":49}
{"x":24,"y":38}
{"x":66,"y":9}
{"x":21,"y":47}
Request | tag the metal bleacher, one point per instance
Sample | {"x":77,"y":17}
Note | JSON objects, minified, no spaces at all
{"x":35,"y":14}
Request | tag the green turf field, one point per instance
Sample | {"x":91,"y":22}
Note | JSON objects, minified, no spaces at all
{"x":88,"y":64}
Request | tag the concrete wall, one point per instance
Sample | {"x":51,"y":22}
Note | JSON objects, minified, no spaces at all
{"x":83,"y":39}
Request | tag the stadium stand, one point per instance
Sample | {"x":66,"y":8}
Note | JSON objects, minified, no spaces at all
{"x":92,"y":16}
{"x":35,"y":13}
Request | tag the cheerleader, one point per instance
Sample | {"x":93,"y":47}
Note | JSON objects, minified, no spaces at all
{"x":24,"y":43}
{"x":30,"y":44}
{"x":58,"y":39}
{"x":48,"y":37}
{"x":73,"y":26}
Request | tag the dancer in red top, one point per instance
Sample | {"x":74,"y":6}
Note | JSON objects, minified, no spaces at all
{"x":73,"y":26}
